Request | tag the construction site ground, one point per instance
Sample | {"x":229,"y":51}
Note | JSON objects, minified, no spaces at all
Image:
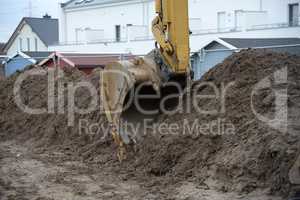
{"x":53,"y":176}
{"x":42,"y":158}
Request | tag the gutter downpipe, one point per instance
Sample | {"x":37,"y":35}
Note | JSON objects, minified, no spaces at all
{"x":261,"y":5}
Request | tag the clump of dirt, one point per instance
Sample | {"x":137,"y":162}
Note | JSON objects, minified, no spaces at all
{"x":249,"y":154}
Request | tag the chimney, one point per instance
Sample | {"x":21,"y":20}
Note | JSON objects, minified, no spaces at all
{"x":46,"y":16}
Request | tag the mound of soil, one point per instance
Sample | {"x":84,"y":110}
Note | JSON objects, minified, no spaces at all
{"x":253,"y":154}
{"x":51,"y":128}
{"x":257,"y":155}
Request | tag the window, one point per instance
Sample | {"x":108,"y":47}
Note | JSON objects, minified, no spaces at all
{"x":36,"y":44}
{"x":238,"y":15}
{"x":294,"y":14}
{"x":28,"y":44}
{"x":20,"y":44}
{"x":80,"y":35}
{"x":118,"y":33}
{"x":221,"y":21}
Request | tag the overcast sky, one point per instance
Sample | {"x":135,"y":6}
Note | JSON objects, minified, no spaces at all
{"x":12,"y":11}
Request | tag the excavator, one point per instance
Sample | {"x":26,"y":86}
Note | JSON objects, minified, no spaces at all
{"x":169,"y":61}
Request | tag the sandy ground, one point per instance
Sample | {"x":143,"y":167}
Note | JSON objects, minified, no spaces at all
{"x":43,"y":158}
{"x":36,"y":176}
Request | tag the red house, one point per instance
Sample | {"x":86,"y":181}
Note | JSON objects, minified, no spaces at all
{"x":85,"y":62}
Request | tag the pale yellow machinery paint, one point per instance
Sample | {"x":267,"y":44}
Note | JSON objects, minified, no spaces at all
{"x":171,"y":31}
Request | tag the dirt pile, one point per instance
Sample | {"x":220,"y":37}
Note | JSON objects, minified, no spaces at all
{"x":254,"y":155}
{"x":260,"y":153}
{"x":50,"y":128}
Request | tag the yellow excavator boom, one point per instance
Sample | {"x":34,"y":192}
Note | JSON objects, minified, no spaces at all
{"x":171,"y":31}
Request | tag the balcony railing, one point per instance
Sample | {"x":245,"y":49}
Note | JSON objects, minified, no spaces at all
{"x":141,"y":38}
{"x":218,"y":30}
{"x":100,"y":41}
{"x":104,"y":41}
{"x":294,"y":23}
{"x":194,"y":32}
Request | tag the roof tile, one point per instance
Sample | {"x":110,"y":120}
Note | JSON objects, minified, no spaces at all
{"x":45,"y":28}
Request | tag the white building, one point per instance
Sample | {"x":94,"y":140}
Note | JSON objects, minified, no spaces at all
{"x":122,"y":26}
{"x":33,"y":34}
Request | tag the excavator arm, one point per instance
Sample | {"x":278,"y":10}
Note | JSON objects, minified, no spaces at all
{"x":171,"y":32}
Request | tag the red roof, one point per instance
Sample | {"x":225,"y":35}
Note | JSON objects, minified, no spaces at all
{"x":91,"y":60}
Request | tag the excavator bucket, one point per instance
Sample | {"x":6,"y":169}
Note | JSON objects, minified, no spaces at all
{"x":118,"y":81}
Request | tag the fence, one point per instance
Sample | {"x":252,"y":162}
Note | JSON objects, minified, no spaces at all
{"x":217,"y":30}
{"x":272,"y":26}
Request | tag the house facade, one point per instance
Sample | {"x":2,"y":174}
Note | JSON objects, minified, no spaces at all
{"x":109,"y":20}
{"x":122,"y":26}
{"x":33,"y":34}
{"x":219,"y":49}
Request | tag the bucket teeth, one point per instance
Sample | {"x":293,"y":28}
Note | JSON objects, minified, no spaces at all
{"x":121,"y":146}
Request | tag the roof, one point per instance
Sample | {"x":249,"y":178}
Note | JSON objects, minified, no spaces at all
{"x":45,"y":28}
{"x":90,"y":60}
{"x":241,"y":43}
{"x":21,"y":56}
{"x":2,"y":49}
{"x":87,"y":3}
{"x":38,"y":55}
{"x":2,"y":46}
{"x":34,"y":57}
